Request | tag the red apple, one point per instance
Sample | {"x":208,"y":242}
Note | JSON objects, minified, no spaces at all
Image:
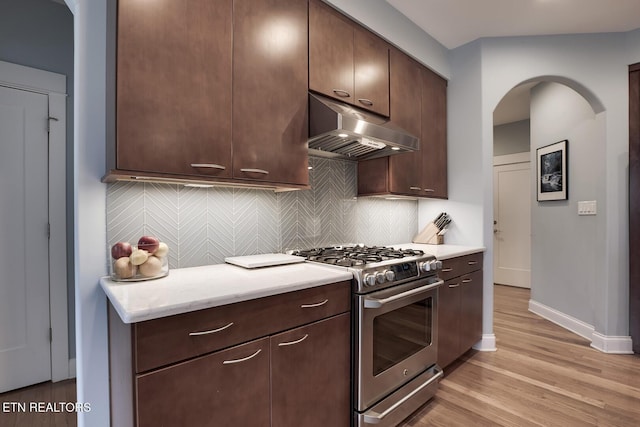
{"x":120,"y":250}
{"x":148,"y":243}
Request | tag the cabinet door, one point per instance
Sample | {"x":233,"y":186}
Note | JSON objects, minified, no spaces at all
{"x":174,"y":87}
{"x":448,"y":322}
{"x":371,"y":68}
{"x":270,"y":84}
{"x":310,"y":374}
{"x":433,"y":139}
{"x":470,"y":310}
{"x":330,"y":52}
{"x":227,"y":388}
{"x":405,"y":111}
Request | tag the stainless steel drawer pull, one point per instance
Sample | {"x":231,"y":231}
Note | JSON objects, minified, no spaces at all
{"x":207,"y":165}
{"x":415,"y":188}
{"x":244,"y":359}
{"x":284,"y":344}
{"x":249,"y":170}
{"x":467,"y":280}
{"x":472,"y":262}
{"x":446,"y":270}
{"x":454,"y":285}
{"x":318,"y":304}
{"x":429,"y":190}
{"x":341,"y":93}
{"x":212,"y":331}
{"x":366,"y":101}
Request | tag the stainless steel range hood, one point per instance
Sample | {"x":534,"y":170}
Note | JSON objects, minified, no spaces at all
{"x":342,"y":131}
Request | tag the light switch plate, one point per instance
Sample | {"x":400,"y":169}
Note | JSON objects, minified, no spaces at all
{"x":587,"y":207}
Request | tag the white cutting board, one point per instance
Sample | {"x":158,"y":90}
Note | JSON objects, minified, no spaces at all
{"x":263,"y":260}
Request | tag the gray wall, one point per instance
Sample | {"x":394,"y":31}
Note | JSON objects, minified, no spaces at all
{"x":564,"y":256}
{"x":203,"y":226}
{"x":511,"y":138}
{"x":39,"y":34}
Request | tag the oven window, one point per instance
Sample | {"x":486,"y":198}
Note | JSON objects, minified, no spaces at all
{"x":401,"y":333}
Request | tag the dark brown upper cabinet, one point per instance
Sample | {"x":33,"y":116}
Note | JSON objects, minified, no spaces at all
{"x":418,"y":105}
{"x":270,"y":91}
{"x":212,"y":90}
{"x":346,"y":61}
{"x":173,"y":112}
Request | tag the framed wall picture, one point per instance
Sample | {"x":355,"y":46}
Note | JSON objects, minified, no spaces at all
{"x":552,"y":175}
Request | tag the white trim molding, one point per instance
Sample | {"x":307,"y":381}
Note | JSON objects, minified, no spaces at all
{"x":509,"y":159}
{"x":603,"y":343}
{"x":612,"y":344}
{"x":487,"y":343}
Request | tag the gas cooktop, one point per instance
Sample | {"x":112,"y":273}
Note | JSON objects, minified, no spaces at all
{"x":374,"y":267}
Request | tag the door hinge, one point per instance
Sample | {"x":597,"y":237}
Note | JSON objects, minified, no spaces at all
{"x":55,"y":119}
{"x":48,"y":230}
{"x":50,"y":334}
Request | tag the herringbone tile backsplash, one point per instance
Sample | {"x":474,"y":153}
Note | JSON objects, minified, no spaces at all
{"x":205,"y":225}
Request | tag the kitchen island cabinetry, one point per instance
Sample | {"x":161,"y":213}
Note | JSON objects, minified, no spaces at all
{"x":423,"y":113}
{"x":248,"y":363}
{"x":459,"y":307}
{"x":221,"y":96}
{"x":346,"y":61}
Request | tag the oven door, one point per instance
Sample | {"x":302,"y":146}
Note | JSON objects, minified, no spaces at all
{"x":396,"y":336}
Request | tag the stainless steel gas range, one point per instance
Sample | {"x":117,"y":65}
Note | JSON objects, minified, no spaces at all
{"x":395,"y":308}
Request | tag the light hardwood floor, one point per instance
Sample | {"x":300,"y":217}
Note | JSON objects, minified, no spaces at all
{"x":541,"y":375}
{"x":64,"y":391}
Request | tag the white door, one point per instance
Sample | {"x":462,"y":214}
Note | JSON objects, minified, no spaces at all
{"x":25,"y":355}
{"x":512,"y":224}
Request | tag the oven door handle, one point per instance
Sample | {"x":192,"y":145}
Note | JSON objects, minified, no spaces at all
{"x":375,"y":418}
{"x":377,"y":303}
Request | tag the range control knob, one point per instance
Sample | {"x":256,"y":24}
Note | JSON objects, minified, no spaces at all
{"x":425,"y":266}
{"x":390,"y":275}
{"x":369,"y":279}
{"x":380,"y":277}
{"x":438,"y":265}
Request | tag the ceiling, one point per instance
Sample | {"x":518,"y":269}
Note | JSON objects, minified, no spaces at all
{"x":457,"y":22}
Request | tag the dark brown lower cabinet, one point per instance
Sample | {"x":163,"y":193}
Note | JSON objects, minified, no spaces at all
{"x":282,"y":360}
{"x":308,"y":362}
{"x":634,"y":205}
{"x":226,"y":388}
{"x":460,"y":310}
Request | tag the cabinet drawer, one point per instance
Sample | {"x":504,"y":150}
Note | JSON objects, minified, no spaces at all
{"x":171,"y":339}
{"x":458,"y":266}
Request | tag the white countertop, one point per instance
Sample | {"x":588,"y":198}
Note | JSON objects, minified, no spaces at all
{"x":442,"y":251}
{"x":197,"y":288}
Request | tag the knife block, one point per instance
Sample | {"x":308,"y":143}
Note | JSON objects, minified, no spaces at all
{"x":429,"y":235}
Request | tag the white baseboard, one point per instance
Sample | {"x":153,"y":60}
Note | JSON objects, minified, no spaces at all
{"x":612,"y":344}
{"x":487,"y":343}
{"x":604,"y":343}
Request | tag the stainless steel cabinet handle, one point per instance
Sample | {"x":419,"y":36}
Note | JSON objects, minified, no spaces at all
{"x":415,"y":188}
{"x":262,"y":171}
{"x":376,"y":418}
{"x":446,"y":270}
{"x":341,"y":93}
{"x":377,"y":303}
{"x":284,"y":344}
{"x":212,"y":331}
{"x":454,"y":285}
{"x":472,"y":262}
{"x":244,"y":359}
{"x":366,"y":101}
{"x":207,"y":165}
{"x":429,"y":190}
{"x":318,"y":304}
{"x":467,"y":280}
